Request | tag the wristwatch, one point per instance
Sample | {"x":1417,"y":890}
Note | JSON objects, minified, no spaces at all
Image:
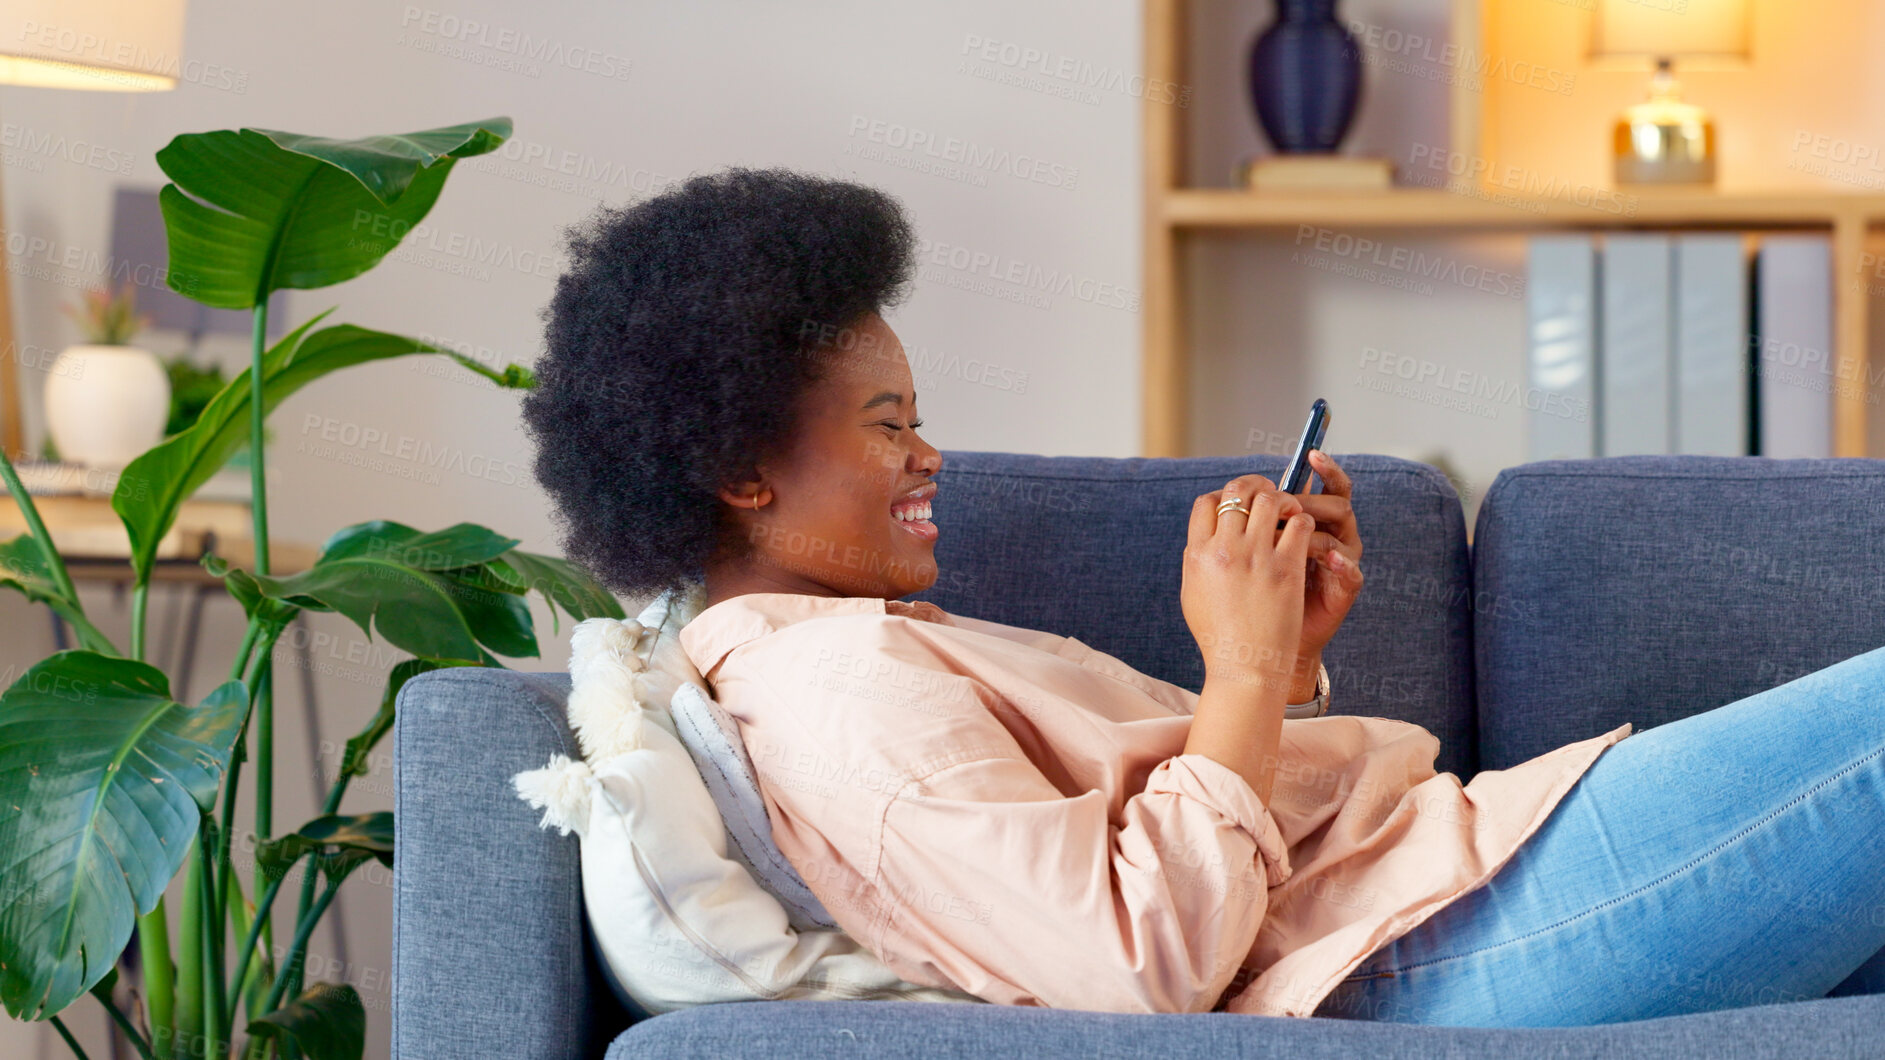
{"x":1314,"y":708}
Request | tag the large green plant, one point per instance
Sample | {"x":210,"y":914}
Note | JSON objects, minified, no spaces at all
{"x":109,"y":787}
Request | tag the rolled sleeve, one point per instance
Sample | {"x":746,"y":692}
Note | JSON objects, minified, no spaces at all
{"x":1214,"y":784}
{"x":1069,"y":909}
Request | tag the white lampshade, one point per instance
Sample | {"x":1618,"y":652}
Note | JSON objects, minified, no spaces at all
{"x":1677,"y":29}
{"x":113,"y":45}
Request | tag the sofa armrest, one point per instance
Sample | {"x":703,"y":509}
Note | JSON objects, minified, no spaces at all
{"x":490,"y":948}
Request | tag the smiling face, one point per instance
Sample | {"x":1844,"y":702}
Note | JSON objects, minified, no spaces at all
{"x":844,"y":510}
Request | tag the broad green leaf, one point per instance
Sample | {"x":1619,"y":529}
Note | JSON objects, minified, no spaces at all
{"x":386,"y":164}
{"x":433,"y":614}
{"x":274,"y":614}
{"x":154,"y":485}
{"x":252,"y":211}
{"x":103,"y":779}
{"x":339,"y":843}
{"x":561,"y":582}
{"x":327,"y":1022}
{"x":458,"y":545}
{"x":23,"y":567}
{"x":355,"y":761}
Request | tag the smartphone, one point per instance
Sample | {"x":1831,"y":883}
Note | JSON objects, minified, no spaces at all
{"x":1296,"y":474}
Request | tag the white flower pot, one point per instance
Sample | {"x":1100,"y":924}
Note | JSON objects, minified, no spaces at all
{"x":106,"y":404}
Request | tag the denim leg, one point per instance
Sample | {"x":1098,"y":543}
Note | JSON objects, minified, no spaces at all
{"x":1730,"y":858}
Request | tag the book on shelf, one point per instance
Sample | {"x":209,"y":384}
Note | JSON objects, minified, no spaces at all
{"x":1636,"y":396}
{"x":1561,"y":346}
{"x":1711,"y":343}
{"x":1790,"y":357}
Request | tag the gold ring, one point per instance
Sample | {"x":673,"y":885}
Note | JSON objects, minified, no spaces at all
{"x":1232,"y":504}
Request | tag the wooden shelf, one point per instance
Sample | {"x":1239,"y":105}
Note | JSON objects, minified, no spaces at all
{"x":1494,"y":209}
{"x":1172,"y":211}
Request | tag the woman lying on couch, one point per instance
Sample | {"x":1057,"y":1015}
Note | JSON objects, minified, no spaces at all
{"x":1011,"y":813}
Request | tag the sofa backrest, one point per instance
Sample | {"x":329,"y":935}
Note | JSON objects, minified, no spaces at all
{"x":1092,"y":547}
{"x":1649,"y":588}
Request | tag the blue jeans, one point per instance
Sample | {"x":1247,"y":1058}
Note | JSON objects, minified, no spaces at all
{"x":1734,"y":857}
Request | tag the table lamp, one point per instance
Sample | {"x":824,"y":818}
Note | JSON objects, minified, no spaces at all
{"x":1664,"y":140}
{"x":109,"y":45}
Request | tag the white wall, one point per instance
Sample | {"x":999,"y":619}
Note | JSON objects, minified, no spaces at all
{"x":816,"y":85}
{"x":709,"y":84}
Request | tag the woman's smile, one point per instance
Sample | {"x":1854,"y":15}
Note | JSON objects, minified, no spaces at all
{"x":911,"y":512}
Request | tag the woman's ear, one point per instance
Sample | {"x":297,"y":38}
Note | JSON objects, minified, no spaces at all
{"x":750,"y":492}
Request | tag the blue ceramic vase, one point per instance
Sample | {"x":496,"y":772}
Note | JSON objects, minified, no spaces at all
{"x":1305,"y":77}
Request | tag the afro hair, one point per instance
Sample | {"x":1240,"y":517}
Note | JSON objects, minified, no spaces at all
{"x":677,"y":351}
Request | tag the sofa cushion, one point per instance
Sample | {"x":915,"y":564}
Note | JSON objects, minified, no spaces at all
{"x":1091,"y":547}
{"x":1829,"y":1029}
{"x":1649,"y":588}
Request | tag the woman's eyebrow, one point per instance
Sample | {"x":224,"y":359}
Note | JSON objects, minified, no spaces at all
{"x":890,"y":396}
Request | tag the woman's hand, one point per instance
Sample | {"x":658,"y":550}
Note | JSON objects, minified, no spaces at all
{"x":1333,"y":580}
{"x":1243,"y":582}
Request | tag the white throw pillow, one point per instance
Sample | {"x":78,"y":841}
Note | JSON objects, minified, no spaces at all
{"x":678,"y":915}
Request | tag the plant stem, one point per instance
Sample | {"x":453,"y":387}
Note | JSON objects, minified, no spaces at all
{"x":288,"y":971}
{"x":137,"y":1040}
{"x":224,"y":868}
{"x":258,"y":488}
{"x":187,"y":1030}
{"x":140,"y":593}
{"x":263,"y":719}
{"x":153,"y":945}
{"x":241,"y":917}
{"x":241,"y":664}
{"x":55,"y":564}
{"x":262,"y":907}
{"x":212,"y":954}
{"x":339,"y":788}
{"x":290,"y":966}
{"x":71,"y":1042}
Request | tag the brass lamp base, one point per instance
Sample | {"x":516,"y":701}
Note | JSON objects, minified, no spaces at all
{"x":1664,"y":140}
{"x":1651,"y":153}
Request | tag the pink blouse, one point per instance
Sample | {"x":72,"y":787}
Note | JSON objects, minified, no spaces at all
{"x":1011,"y":813}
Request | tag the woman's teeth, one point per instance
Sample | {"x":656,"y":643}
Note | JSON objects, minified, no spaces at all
{"x":913,"y":513}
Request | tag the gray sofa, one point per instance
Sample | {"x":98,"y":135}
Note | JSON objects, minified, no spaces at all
{"x":1596,"y":591}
